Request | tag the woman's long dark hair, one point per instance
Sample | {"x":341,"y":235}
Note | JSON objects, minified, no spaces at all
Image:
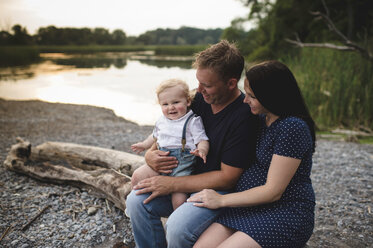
{"x":276,"y":88}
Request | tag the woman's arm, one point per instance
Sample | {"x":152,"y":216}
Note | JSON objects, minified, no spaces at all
{"x":281,"y":171}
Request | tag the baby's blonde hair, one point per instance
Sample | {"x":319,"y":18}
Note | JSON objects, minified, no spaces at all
{"x":169,"y":83}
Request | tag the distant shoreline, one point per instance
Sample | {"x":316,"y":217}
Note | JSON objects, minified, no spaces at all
{"x":335,"y":135}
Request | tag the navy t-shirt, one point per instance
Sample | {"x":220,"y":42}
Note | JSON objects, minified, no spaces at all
{"x":232,"y":134}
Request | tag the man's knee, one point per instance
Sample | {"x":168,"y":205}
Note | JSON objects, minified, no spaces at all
{"x":175,"y":234}
{"x":187,"y":223}
{"x":178,"y":233}
{"x":133,"y":201}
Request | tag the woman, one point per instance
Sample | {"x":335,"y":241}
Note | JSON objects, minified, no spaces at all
{"x":274,"y":201}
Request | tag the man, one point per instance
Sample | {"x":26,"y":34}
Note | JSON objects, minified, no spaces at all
{"x":231,"y":129}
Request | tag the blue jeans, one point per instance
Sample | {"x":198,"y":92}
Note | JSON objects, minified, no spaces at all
{"x":183,"y":226}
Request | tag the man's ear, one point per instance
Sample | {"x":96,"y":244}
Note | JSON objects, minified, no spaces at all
{"x":189,"y":101}
{"x":232,"y":83}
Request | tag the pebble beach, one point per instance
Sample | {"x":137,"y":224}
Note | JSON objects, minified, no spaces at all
{"x":342,"y":177}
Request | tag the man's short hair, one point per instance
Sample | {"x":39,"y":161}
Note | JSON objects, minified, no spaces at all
{"x":223,"y":58}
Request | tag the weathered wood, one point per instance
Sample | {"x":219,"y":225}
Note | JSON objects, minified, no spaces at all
{"x":89,"y":157}
{"x":104,"y":172}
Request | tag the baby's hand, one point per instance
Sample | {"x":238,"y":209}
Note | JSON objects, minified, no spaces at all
{"x":200,"y":153}
{"x":138,"y":147}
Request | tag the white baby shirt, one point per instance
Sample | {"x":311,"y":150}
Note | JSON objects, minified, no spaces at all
{"x":169,"y":132}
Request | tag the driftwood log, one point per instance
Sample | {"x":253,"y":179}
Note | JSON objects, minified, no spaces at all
{"x":103,"y":172}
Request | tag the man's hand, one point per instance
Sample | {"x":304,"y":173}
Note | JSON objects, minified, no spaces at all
{"x":160,"y":161}
{"x":157,"y":186}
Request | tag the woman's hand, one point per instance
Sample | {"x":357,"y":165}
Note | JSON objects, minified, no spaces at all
{"x":160,"y":161}
{"x":207,"y":198}
{"x":157,"y":186}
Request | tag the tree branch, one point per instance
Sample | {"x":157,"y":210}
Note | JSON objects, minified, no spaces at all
{"x":321,"y":45}
{"x":348,"y":44}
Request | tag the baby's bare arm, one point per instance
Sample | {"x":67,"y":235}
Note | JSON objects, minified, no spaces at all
{"x":141,"y":146}
{"x":203,"y":146}
{"x":202,"y":150}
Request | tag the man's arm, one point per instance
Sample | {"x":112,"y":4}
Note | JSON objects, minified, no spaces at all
{"x":223,"y":179}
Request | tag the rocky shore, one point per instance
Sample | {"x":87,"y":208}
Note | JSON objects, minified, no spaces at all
{"x":69,"y":217}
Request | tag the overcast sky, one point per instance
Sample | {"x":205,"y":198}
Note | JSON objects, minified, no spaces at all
{"x":132,"y":16}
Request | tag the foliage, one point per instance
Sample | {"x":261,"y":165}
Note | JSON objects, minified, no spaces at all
{"x":178,"y":50}
{"x":52,"y":35}
{"x":79,"y":36}
{"x":19,"y":36}
{"x":337,"y":86}
{"x":282,"y":19}
{"x":181,"y":36}
{"x":92,"y":48}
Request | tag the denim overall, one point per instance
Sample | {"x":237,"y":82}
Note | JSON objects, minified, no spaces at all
{"x":184,"y":157}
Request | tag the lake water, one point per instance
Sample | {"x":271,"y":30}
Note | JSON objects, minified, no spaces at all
{"x":122,"y":82}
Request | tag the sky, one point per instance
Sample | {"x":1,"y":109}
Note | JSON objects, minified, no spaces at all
{"x":134,"y":17}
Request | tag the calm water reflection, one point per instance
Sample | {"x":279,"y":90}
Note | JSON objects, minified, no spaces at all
{"x":117,"y":81}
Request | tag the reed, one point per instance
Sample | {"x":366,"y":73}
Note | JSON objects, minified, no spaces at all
{"x":18,"y":55}
{"x":92,"y":49}
{"x":337,"y":86}
{"x":180,"y":50}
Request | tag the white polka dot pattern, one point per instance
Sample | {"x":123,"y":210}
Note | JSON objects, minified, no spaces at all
{"x":288,"y":222}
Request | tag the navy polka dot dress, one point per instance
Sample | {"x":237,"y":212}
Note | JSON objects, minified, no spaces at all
{"x":289,"y":221}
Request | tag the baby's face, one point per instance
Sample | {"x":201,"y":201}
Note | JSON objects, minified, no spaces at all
{"x":173,"y":102}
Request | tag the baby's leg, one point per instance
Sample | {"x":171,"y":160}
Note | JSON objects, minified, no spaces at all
{"x":141,"y":173}
{"x":178,"y":199}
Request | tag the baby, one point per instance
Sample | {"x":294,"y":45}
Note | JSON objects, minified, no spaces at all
{"x":178,"y":130}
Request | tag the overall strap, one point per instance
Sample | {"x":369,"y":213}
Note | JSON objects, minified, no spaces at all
{"x":183,"y":139}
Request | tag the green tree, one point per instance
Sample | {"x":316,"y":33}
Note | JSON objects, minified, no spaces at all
{"x":183,"y":35}
{"x":20,"y":36}
{"x":101,"y":36}
{"x":281,"y":19}
{"x":48,"y":36}
{"x":5,"y":38}
{"x":118,"y":37}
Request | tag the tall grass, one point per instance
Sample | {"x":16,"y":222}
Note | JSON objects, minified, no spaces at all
{"x":93,"y":48}
{"x":18,"y":55}
{"x":337,"y":86}
{"x":22,"y":55}
{"x":180,"y":50}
